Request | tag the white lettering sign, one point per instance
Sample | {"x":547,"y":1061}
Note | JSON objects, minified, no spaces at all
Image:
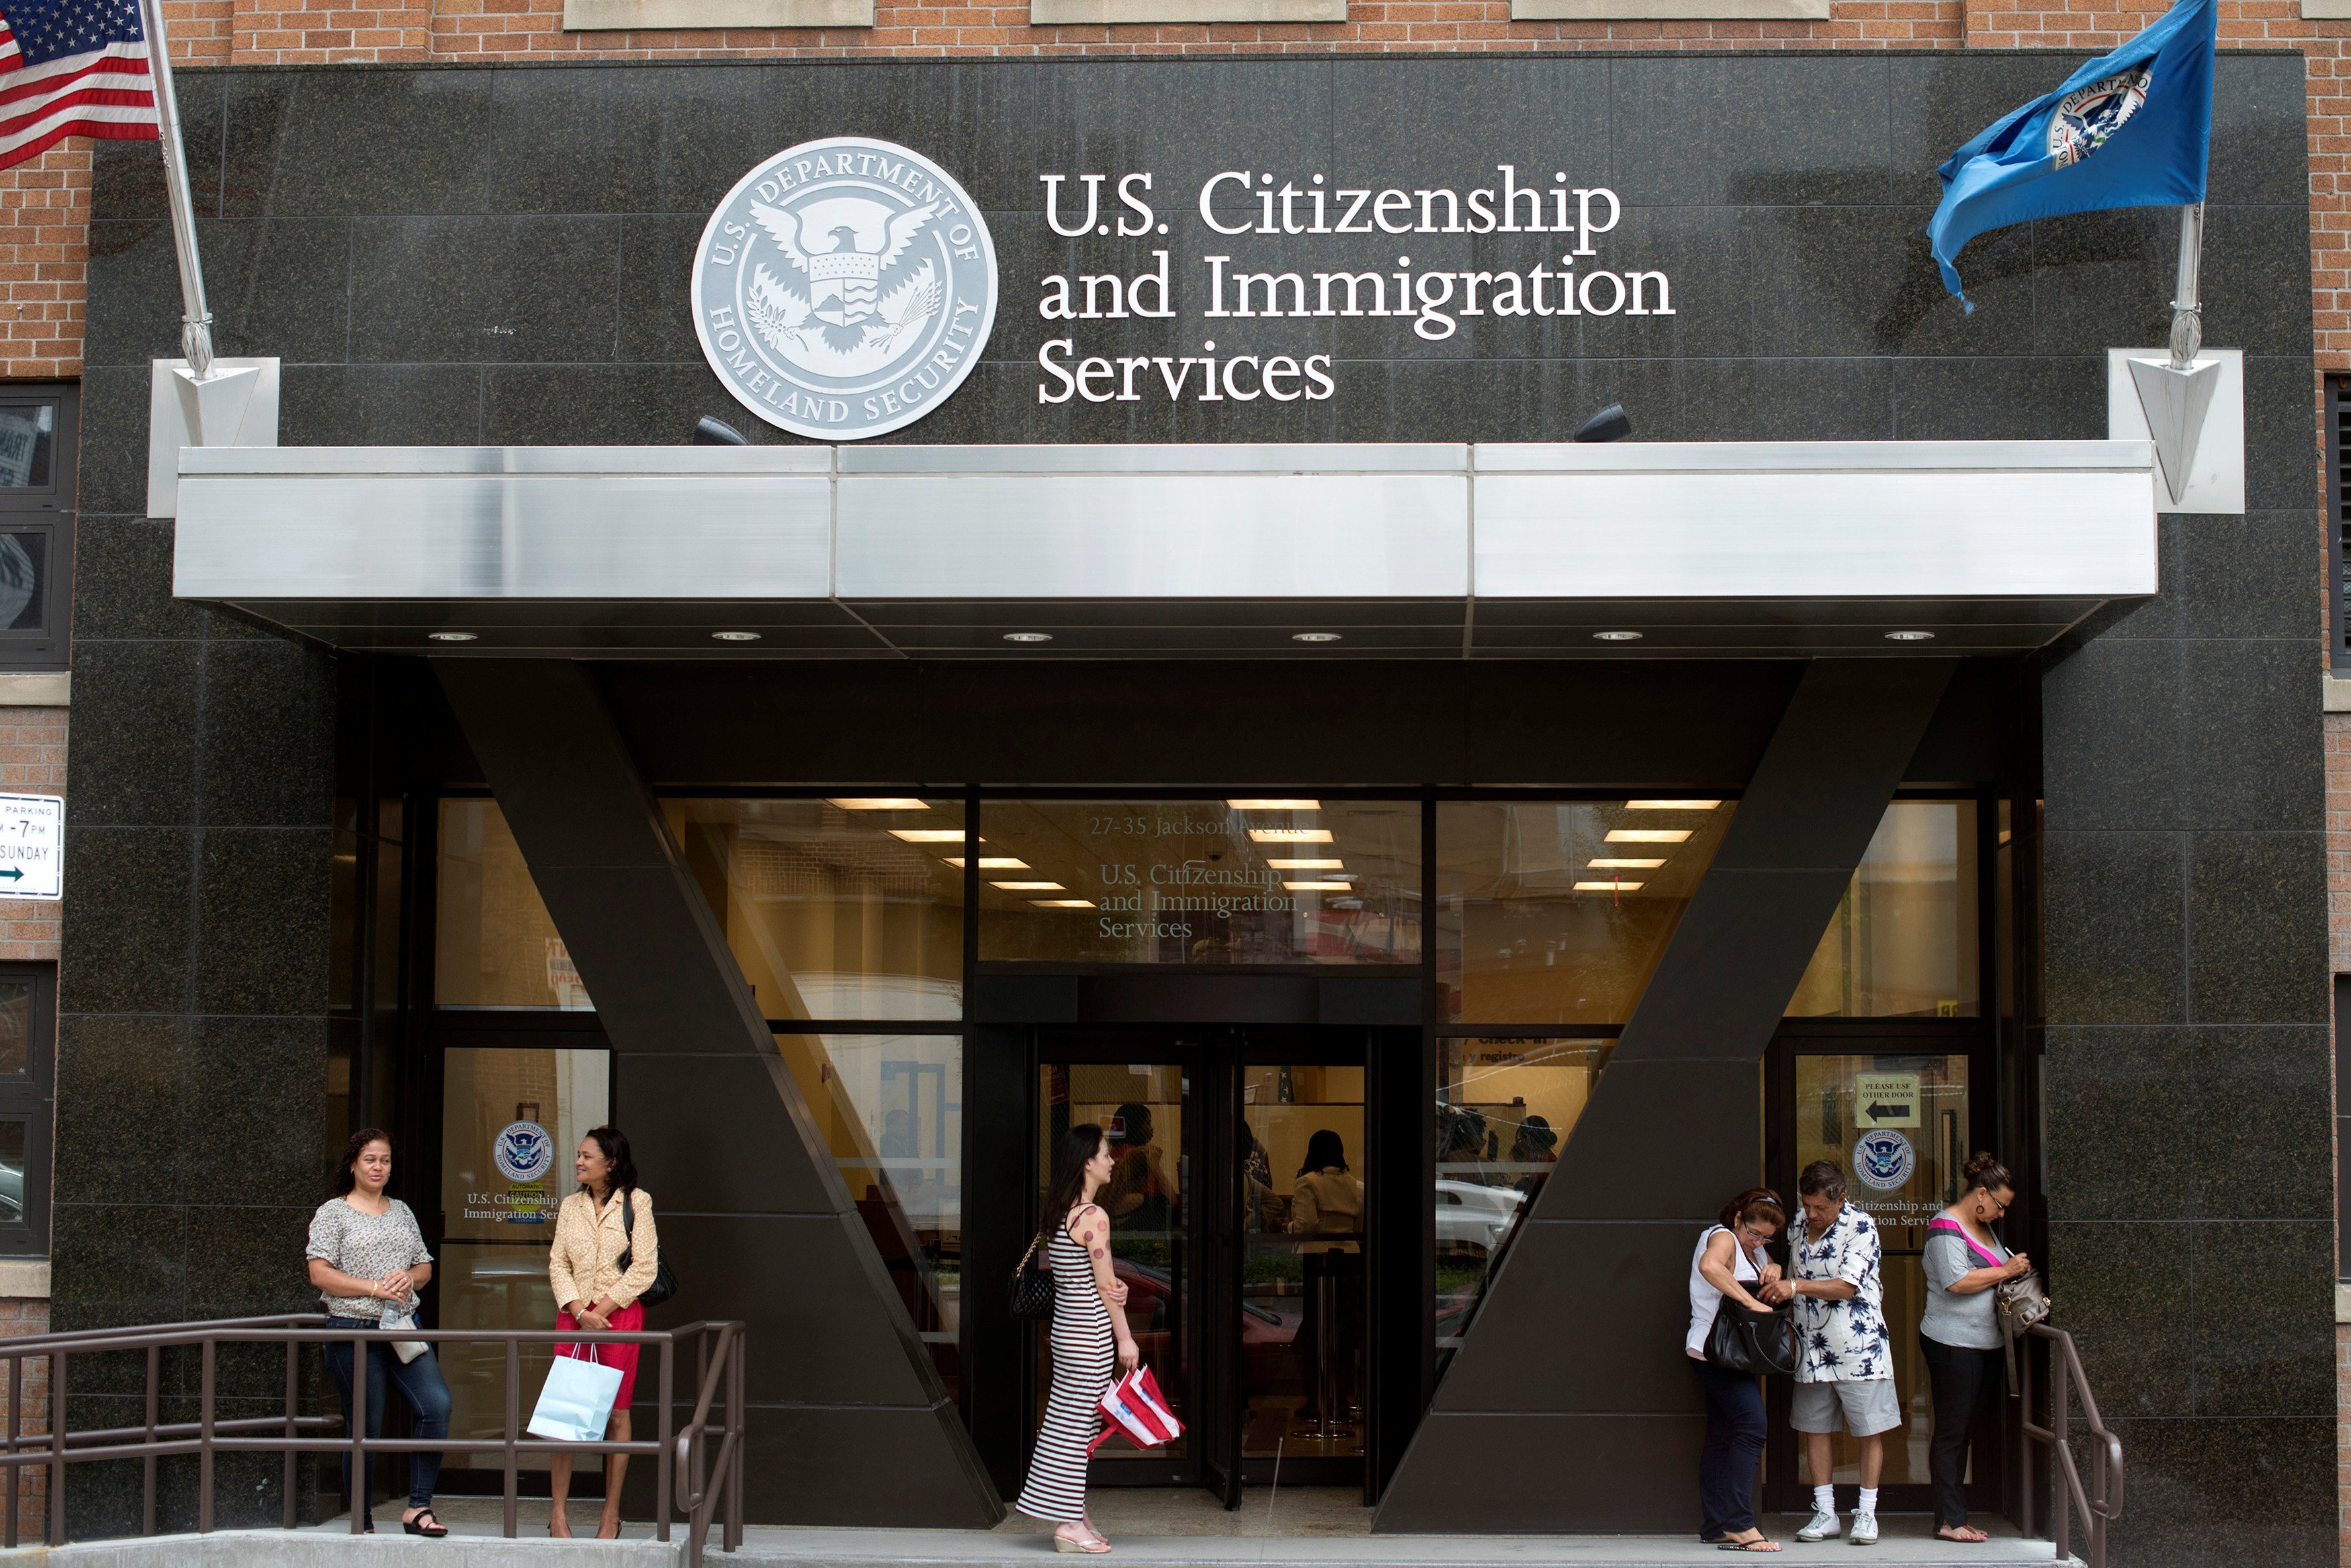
{"x":32,"y":846}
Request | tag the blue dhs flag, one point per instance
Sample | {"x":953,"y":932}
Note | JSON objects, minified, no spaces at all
{"x":2131,"y":129}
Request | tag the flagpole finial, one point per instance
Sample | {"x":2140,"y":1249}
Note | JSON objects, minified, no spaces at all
{"x":2187,"y":307}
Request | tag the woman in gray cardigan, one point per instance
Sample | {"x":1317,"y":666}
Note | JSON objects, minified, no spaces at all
{"x":1959,"y":1333}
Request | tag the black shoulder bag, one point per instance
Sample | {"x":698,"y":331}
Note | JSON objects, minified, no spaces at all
{"x":1033,"y":1285}
{"x":664,"y":1284}
{"x":1757,"y":1343}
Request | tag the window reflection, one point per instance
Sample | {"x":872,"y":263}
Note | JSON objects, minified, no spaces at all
{"x":1271,"y":880}
{"x":1557,"y":912}
{"x":26,"y":440}
{"x":1504,"y":1109}
{"x":1902,"y":943}
{"x":495,"y":945}
{"x":835,"y":909}
{"x":889,"y":1109}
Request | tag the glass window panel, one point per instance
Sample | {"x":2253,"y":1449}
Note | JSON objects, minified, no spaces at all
{"x":1898,"y":1126}
{"x":24,"y":558}
{"x":510,"y":1120}
{"x":1200,"y":882}
{"x":835,"y":910}
{"x":26,"y":432}
{"x":16,"y":1025}
{"x":890,"y":1109}
{"x":1305,"y":1169}
{"x":1902,"y":943}
{"x":1504,"y":1108}
{"x":1557,"y":912}
{"x":495,"y":944}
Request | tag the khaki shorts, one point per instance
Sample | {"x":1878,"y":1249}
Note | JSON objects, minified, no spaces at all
{"x":1867,"y":1409}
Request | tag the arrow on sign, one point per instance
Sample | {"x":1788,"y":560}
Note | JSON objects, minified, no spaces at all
{"x":1878,"y":1112}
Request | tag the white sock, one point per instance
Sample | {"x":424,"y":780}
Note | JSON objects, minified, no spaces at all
{"x":1869,"y":1501}
{"x":1824,"y":1499}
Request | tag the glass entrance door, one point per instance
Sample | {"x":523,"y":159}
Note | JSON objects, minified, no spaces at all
{"x":1239,"y":1205}
{"x":1899,"y":1116}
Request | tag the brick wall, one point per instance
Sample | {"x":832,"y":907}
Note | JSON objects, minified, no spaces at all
{"x":19,"y":1319}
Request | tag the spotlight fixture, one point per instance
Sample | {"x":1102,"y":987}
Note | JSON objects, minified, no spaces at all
{"x":709,"y":432}
{"x":1028,"y":637}
{"x":735,"y":636}
{"x":1616,"y":637}
{"x":1909,"y":636}
{"x":1610,"y":423}
{"x":1314,"y":636}
{"x":450,"y":636}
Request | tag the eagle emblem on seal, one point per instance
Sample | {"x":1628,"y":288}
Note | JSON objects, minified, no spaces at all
{"x":2087,"y":115}
{"x":842,"y":303}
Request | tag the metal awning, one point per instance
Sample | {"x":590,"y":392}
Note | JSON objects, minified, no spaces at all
{"x":1737,"y":549}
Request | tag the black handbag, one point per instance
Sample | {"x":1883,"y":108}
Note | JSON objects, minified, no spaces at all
{"x":1755,"y":1343}
{"x":1033,"y":1285}
{"x":664,"y":1284}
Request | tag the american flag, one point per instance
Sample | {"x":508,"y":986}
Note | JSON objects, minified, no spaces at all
{"x":72,"y":68}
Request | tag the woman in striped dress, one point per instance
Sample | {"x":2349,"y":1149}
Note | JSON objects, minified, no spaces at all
{"x":1089,"y":1333}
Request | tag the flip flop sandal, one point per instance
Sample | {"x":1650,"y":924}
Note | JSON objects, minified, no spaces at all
{"x":433,"y":1532}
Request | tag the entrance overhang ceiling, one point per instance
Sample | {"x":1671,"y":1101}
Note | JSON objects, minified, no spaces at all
{"x":1728,"y":550}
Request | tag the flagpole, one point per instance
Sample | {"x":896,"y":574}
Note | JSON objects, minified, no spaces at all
{"x":196,"y":323}
{"x":2186,"y":311}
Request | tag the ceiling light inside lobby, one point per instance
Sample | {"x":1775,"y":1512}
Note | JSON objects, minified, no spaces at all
{"x":1609,"y":886}
{"x":1671,"y":804}
{"x":1320,"y":886}
{"x":930,"y":834}
{"x":1030,"y":887}
{"x":1063,"y":903}
{"x":1647,"y":834}
{"x":1280,"y":863}
{"x":1274,"y":802}
{"x":881,"y":803}
{"x":1289,"y":835}
{"x":1623,"y":865}
{"x":992,"y":863}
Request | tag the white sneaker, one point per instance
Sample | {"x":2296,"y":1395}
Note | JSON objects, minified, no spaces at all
{"x":1865,"y":1530}
{"x":1823,"y":1526}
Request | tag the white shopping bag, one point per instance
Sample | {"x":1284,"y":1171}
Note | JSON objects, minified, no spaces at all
{"x":576,"y":1406}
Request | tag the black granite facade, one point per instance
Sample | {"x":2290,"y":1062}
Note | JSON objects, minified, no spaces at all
{"x":499,"y":254}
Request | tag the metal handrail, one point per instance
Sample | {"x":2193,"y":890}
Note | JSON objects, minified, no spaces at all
{"x":2100,"y":1503}
{"x":687,"y":1477}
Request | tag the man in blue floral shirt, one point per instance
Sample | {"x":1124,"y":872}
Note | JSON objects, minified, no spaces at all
{"x":1845,"y":1367}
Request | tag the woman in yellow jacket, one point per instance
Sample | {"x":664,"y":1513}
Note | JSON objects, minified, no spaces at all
{"x":594,"y":1291}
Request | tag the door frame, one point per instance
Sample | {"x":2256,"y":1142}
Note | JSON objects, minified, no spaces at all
{"x":1210,"y":1056}
{"x":1798,"y":1037}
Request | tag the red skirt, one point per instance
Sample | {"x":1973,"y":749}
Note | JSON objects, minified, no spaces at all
{"x":624,"y":1356}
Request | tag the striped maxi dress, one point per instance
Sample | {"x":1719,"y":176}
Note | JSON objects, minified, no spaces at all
{"x":1085,"y":1354}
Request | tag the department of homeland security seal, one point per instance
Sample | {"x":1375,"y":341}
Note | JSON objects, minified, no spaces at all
{"x":844,"y":288}
{"x":2086,"y":116}
{"x":1884,"y":1160}
{"x":522,"y":1151}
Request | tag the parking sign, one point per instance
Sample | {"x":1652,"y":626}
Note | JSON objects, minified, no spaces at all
{"x":32,"y":846}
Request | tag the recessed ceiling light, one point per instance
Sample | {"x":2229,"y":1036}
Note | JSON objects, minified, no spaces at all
{"x":1609,"y":886}
{"x":1273,"y":802}
{"x":881,"y":803}
{"x":1314,"y":636}
{"x":1289,"y":835}
{"x":1320,"y":886}
{"x":1909,"y":636}
{"x":1671,"y":804}
{"x":1279,"y":864}
{"x":451,"y":636}
{"x":735,"y":636}
{"x":1627,"y":865}
{"x":1616,"y":637}
{"x":1063,"y":903}
{"x":1004,"y":863}
{"x":930,"y":834}
{"x":1028,"y":637}
{"x":1028,"y":887}
{"x":1647,"y":834}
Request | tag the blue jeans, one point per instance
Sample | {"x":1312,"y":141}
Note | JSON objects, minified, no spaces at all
{"x":1735,"y":1430}
{"x":419,"y":1384}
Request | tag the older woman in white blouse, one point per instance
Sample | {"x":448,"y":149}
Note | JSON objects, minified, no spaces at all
{"x":608,"y":1218}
